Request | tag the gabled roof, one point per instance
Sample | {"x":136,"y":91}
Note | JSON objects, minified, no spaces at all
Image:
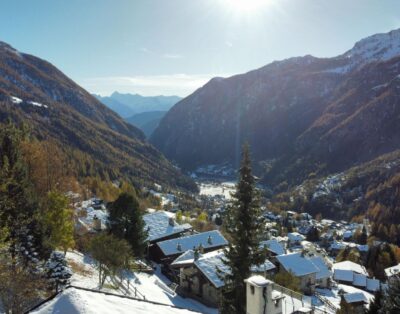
{"x":324,"y":271}
{"x":359,"y":280}
{"x":295,"y":237}
{"x":208,"y":265}
{"x":348,"y":265}
{"x":159,"y":226}
{"x":391,"y":271}
{"x":274,"y":246}
{"x":185,"y":258}
{"x":209,"y":239}
{"x":297,"y":264}
{"x":266,"y":266}
{"x":355,"y":297}
{"x":373,"y":285}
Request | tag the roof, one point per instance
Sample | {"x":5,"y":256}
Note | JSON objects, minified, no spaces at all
{"x":359,"y":280}
{"x":209,"y":239}
{"x":185,"y":258}
{"x":266,"y":266}
{"x":297,"y":264}
{"x":158,"y":224}
{"x":73,"y":300}
{"x":274,"y":246}
{"x":258,"y":280}
{"x":373,"y":284}
{"x":355,"y":297}
{"x":343,"y":275}
{"x":295,"y":236}
{"x":348,"y":265}
{"x":391,"y":271}
{"x":324,"y":271}
{"x":208,"y":265}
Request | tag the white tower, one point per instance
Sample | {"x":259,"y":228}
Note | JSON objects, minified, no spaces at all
{"x":260,"y":296}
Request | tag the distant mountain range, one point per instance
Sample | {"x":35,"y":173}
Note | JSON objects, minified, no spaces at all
{"x":147,"y":121}
{"x":127,"y":105}
{"x":303,"y":117}
{"x":95,"y":139}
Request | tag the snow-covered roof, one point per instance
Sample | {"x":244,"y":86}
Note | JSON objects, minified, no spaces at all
{"x":295,"y":237}
{"x":349,"y":265}
{"x":359,"y":280}
{"x":274,"y":246}
{"x":266,"y":266}
{"x":343,"y":275}
{"x":161,"y":225}
{"x":258,"y":280}
{"x":209,"y":239}
{"x":185,"y":258}
{"x":297,"y":264}
{"x":355,"y":297}
{"x":391,"y":271}
{"x":74,"y":300}
{"x":208,"y":265}
{"x":373,"y":284}
{"x":324,"y":271}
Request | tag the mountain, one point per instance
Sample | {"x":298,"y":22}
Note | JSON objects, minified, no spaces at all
{"x":127,"y":105}
{"x":302,"y":116}
{"x":95,"y":139}
{"x":147,"y":121}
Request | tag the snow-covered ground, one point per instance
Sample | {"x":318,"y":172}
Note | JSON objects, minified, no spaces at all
{"x":153,"y":286}
{"x":213,"y":189}
{"x":73,"y":301}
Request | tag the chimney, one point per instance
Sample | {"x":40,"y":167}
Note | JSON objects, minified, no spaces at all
{"x":171,"y":221}
{"x":209,"y":240}
{"x":201,"y":248}
{"x":196,"y":255}
{"x":179,"y":247}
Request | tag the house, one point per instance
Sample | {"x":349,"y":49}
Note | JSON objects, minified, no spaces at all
{"x":79,"y":300}
{"x":161,"y":225}
{"x":301,"y":267}
{"x":201,"y":275}
{"x":353,"y":274}
{"x":168,"y":250}
{"x":265,"y":297}
{"x":273,"y":247}
{"x":391,"y":272}
{"x":295,"y":238}
{"x":357,"y":302}
{"x":324,"y":275}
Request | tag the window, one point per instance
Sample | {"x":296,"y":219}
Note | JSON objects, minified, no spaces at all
{"x":252,"y":289}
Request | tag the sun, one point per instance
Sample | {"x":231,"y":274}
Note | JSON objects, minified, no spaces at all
{"x":245,"y":6}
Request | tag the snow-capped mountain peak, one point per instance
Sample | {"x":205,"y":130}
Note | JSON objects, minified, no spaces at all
{"x":378,"y":47}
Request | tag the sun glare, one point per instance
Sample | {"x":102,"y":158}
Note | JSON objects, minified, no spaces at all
{"x":245,"y":6}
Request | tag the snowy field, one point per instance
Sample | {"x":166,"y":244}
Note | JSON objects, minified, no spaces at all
{"x":214,"y":189}
{"x":153,"y":286}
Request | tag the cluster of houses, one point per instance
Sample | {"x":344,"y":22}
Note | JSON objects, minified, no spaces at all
{"x":194,"y":262}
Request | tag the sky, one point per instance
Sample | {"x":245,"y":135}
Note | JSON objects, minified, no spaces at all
{"x":173,"y":47}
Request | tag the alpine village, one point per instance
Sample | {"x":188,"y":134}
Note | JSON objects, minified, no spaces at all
{"x":273,"y":191}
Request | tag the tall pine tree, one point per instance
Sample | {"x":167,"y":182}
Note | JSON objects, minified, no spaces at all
{"x":244,"y":224}
{"x":126,"y":222}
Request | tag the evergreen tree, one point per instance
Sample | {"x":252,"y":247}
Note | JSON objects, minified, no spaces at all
{"x":18,"y":203}
{"x":313,"y":234}
{"x":376,"y":304}
{"x":57,"y":270}
{"x":126,"y":222}
{"x":244,"y":225}
{"x":391,"y":298}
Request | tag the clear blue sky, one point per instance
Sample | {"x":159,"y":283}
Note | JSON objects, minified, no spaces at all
{"x":174,"y":46}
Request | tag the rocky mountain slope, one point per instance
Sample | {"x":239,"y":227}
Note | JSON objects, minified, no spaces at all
{"x":302,"y":116}
{"x":147,"y":121}
{"x":54,"y":107}
{"x":127,"y":105}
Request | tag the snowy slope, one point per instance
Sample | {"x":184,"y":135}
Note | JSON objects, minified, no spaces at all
{"x":73,"y":300}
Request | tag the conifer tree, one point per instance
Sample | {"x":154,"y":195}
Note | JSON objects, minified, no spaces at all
{"x":244,"y":225}
{"x":126,"y":222}
{"x":391,"y":299}
{"x":57,"y":270}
